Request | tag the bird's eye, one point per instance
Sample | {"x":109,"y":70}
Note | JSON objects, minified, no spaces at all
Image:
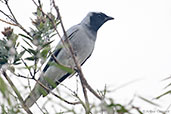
{"x":99,"y":16}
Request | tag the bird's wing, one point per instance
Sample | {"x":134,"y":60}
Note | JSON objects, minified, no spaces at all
{"x":70,"y":33}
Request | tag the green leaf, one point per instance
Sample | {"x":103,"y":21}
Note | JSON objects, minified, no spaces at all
{"x":3,"y":61}
{"x":166,"y":78}
{"x":27,"y":67}
{"x":140,"y":112}
{"x":167,"y":86}
{"x":17,"y":63}
{"x":47,"y":43}
{"x":50,"y":82}
{"x":39,"y":13}
{"x":41,"y":25}
{"x":21,"y":54}
{"x":3,"y":87}
{"x":43,"y":91}
{"x":32,"y":51}
{"x":150,"y":102}
{"x":53,"y":35}
{"x":30,"y":58}
{"x":45,"y":52}
{"x":26,"y":37}
{"x":62,"y":67}
{"x":28,"y":43}
{"x":18,"y":58}
{"x":168,"y":92}
{"x":25,"y":49}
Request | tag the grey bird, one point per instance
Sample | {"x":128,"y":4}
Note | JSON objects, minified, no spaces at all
{"x":82,"y":38}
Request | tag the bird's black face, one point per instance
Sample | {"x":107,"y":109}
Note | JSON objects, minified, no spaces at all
{"x":98,"y":19}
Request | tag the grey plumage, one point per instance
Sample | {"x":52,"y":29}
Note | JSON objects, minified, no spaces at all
{"x":82,"y":38}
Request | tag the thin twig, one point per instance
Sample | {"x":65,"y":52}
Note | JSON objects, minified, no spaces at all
{"x":8,"y":22}
{"x":7,"y":15}
{"x":13,"y":19}
{"x":27,"y":67}
{"x":17,"y":93}
{"x":42,"y":85}
{"x":21,"y":76}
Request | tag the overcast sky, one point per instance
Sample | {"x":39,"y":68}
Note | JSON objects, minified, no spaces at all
{"x":134,"y":46}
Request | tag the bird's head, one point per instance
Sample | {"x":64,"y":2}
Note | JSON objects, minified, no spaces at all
{"x":94,"y":20}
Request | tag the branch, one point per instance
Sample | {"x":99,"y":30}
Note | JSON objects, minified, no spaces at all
{"x":46,"y":88}
{"x":82,"y":78}
{"x":17,"y":93}
{"x":8,"y":22}
{"x":27,"y":68}
{"x":13,"y":18}
{"x":6,"y":15}
{"x":72,"y":53}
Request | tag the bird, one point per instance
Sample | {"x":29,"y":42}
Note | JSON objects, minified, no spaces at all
{"x":82,"y":38}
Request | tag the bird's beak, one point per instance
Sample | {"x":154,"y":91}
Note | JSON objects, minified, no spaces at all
{"x":109,"y":18}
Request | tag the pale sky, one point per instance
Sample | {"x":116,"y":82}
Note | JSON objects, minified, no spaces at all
{"x":134,"y":46}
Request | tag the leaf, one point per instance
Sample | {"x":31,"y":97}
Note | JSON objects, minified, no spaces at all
{"x":28,"y":43}
{"x":26,"y":37}
{"x":3,"y":87}
{"x":139,"y":111}
{"x":3,"y":61}
{"x":18,"y":58}
{"x":167,"y":86}
{"x":144,"y":99}
{"x":47,"y":43}
{"x":50,"y":82}
{"x":25,"y":49}
{"x":53,"y":35}
{"x":39,"y":13}
{"x":21,"y":54}
{"x":43,"y":91}
{"x":30,"y":58}
{"x":17,"y":44}
{"x":167,"y":78}
{"x":119,"y":108}
{"x":17,"y":63}
{"x":168,"y":92}
{"x":45,"y":52}
{"x":64,"y":68}
{"x":32,"y":51}
{"x":41,"y":25}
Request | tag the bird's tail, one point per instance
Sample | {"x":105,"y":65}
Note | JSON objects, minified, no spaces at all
{"x":33,"y":96}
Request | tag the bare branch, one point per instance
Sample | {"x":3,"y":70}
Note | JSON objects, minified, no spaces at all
{"x":82,"y":78}
{"x":27,"y":68}
{"x":6,"y":15}
{"x":14,"y":19}
{"x":72,"y":53}
{"x":19,"y":75}
{"x":8,"y":22}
